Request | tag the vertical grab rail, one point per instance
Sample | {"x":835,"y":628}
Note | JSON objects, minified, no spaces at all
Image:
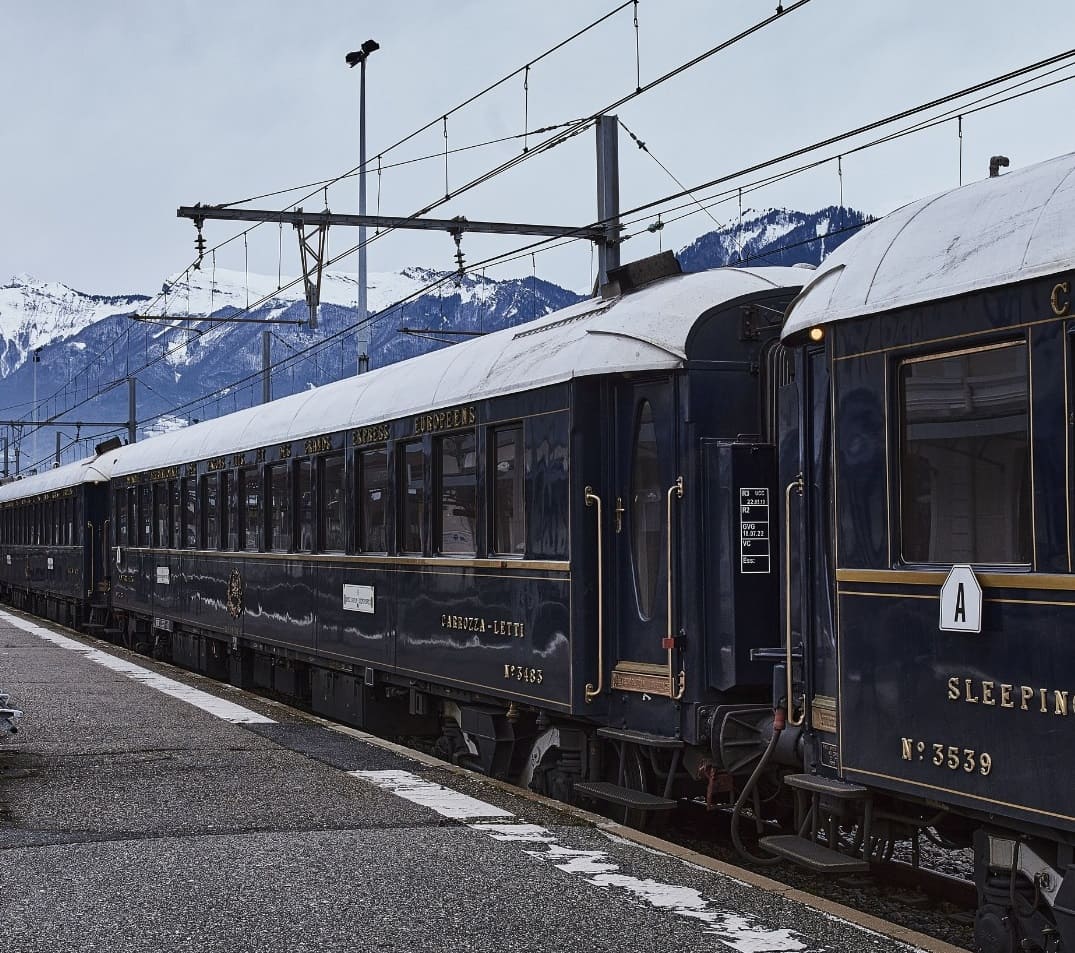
{"x":669,"y":643}
{"x":592,"y":499}
{"x":105,"y":527}
{"x":93,"y":583}
{"x":795,"y":486}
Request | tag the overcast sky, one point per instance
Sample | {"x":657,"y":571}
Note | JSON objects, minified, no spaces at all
{"x":118,"y":111}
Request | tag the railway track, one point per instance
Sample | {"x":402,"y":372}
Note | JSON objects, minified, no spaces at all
{"x":936,"y":897}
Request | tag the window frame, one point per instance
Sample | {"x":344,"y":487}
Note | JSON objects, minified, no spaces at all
{"x":439,"y":443}
{"x":493,"y":486}
{"x":323,"y":503}
{"x":899,"y":439}
{"x":362,"y":525}
{"x":402,"y":485}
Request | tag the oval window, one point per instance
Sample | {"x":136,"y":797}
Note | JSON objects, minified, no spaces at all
{"x":645,"y":511}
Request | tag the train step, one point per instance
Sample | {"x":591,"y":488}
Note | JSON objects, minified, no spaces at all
{"x":626,"y":797}
{"x":639,"y":738}
{"x":813,"y":855}
{"x":830,"y":787}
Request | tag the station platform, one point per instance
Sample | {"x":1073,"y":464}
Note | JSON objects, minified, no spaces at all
{"x":143,"y":808}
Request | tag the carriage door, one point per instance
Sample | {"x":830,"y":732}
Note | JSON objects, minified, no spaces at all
{"x":806,"y":453}
{"x":645,"y":462}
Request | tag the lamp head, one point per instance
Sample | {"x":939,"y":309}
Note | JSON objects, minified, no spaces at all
{"x":359,"y":56}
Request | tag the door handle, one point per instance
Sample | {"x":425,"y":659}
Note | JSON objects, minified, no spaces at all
{"x":795,"y":486}
{"x":592,"y":499}
{"x":675,"y":491}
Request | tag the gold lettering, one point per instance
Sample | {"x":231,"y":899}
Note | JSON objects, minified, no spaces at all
{"x":970,"y":697}
{"x":1060,"y":308}
{"x":375,"y":434}
{"x":1026,"y":693}
{"x":987,"y":693}
{"x":1044,"y":708}
{"x":1061,"y":700}
{"x":444,"y":420}
{"x":953,"y":688}
{"x":1006,"y":696}
{"x":906,"y":744}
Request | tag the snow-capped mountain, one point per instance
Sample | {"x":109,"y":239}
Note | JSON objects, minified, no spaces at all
{"x":36,"y":313}
{"x":773,"y":237}
{"x":189,"y":368}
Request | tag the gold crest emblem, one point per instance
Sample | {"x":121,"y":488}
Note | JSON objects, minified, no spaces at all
{"x":235,"y":594}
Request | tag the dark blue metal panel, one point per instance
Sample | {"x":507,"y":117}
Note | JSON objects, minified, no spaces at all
{"x":501,"y":632}
{"x":923,"y":707}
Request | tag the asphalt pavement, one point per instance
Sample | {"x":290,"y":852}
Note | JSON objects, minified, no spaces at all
{"x":144,"y":809}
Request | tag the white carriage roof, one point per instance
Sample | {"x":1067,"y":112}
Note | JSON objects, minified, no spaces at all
{"x":645,"y":330}
{"x":89,"y":470}
{"x":999,"y":230}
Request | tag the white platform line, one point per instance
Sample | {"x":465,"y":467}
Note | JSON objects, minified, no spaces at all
{"x":219,"y":707}
{"x":443,"y":800}
{"x":731,"y":928}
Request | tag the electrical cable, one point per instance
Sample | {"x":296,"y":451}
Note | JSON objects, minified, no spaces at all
{"x":903,"y":114}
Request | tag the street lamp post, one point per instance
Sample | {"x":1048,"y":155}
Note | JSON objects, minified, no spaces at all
{"x":358,"y":58}
{"x":37,"y":360}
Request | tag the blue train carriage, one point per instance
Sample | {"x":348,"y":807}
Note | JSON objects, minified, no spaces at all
{"x":508,"y":542}
{"x":928,"y":476}
{"x":53,"y":540}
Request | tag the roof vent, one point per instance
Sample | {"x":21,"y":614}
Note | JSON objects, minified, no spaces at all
{"x":638,"y":274}
{"x":108,"y":445}
{"x":996,"y":163}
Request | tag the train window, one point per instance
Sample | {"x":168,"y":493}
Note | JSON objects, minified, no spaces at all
{"x":190,"y":513}
{"x":304,"y":473}
{"x":145,"y":515}
{"x":211,"y":511}
{"x":333,"y":537}
{"x":161,"y":519}
{"x":69,"y":521}
{"x":964,"y":457}
{"x":373,"y":494}
{"x":458,"y":492}
{"x":509,"y":527}
{"x":645,"y":512}
{"x":413,"y":476}
{"x":175,"y":507}
{"x":231,"y":515}
{"x":132,"y":514}
{"x":250,"y":494}
{"x":279,"y":507}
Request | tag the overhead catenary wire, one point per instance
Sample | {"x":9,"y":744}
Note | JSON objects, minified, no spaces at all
{"x":558,"y":139}
{"x":526,"y":250}
{"x":802,"y":151}
{"x":466,"y":102}
{"x":574,"y":129}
